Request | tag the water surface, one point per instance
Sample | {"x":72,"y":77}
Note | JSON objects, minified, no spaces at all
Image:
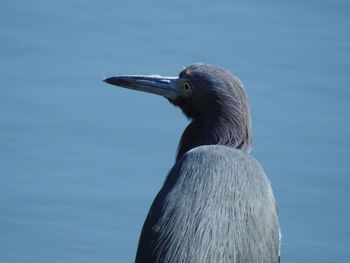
{"x":80,"y":161}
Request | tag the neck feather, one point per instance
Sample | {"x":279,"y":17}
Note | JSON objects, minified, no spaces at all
{"x":216,"y":131}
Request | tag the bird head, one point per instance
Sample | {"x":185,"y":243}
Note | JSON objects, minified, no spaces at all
{"x":205,"y":93}
{"x":211,"y":92}
{"x":201,"y":90}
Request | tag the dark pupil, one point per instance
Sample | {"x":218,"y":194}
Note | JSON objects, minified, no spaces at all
{"x":187,"y":86}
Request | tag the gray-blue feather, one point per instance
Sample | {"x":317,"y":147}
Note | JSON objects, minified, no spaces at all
{"x":216,"y":205}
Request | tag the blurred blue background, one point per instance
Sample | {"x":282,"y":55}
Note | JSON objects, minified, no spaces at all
{"x":80,"y":161}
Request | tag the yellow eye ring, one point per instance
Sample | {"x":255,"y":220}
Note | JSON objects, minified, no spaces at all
{"x":187,"y":86}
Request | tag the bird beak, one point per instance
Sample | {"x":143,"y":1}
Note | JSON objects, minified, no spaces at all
{"x":164,"y":86}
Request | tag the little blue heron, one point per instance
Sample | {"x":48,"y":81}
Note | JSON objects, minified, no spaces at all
{"x":216,"y":204}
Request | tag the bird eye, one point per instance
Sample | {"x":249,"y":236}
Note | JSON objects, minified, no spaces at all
{"x":187,"y":86}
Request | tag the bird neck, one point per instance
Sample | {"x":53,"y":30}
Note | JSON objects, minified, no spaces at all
{"x":215,"y":131}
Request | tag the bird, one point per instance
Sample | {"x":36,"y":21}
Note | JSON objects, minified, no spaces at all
{"x":216,"y":204}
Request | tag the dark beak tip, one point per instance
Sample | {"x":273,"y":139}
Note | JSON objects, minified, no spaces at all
{"x":107,"y":80}
{"x":113,"y":81}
